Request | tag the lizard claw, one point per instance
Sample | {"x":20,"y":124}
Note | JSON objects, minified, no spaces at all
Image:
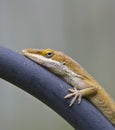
{"x":76,"y":96}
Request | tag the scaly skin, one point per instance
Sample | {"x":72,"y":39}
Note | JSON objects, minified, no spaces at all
{"x":75,"y":75}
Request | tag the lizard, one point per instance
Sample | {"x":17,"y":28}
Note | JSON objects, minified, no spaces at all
{"x":84,"y":85}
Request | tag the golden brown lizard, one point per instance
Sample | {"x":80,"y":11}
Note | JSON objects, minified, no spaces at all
{"x":83,"y":84}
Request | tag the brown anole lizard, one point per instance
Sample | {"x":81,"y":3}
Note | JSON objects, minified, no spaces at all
{"x":83,"y":84}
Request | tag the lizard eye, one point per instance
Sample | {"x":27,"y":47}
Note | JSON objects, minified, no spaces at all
{"x":49,"y":54}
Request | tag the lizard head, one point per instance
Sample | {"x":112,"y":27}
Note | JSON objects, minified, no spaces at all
{"x":51,"y":59}
{"x":50,"y":54}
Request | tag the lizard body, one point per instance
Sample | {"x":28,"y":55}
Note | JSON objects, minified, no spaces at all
{"x":83,"y":84}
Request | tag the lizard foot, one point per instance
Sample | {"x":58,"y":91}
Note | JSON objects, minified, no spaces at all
{"x":76,"y":96}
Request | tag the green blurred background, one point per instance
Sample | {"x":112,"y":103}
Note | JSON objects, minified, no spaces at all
{"x":84,"y":29}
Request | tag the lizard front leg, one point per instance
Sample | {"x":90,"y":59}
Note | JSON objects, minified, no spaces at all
{"x":78,"y":94}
